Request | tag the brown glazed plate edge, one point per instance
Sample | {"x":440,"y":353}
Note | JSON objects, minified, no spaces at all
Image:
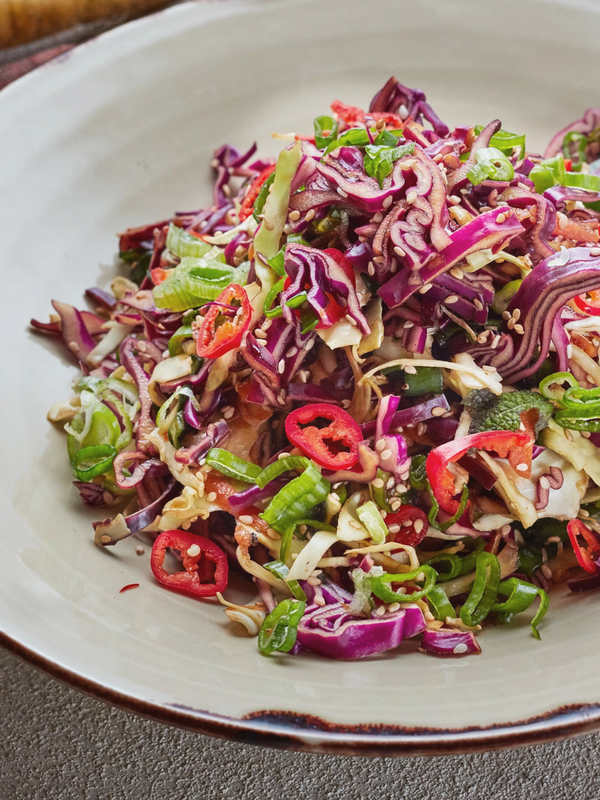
{"x":301,"y":732}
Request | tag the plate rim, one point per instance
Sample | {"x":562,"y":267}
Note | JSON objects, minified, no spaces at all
{"x":283,"y":729}
{"x":298,"y":732}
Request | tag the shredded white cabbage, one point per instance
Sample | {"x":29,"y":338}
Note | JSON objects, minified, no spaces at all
{"x":483,"y":380}
{"x":310,"y":555}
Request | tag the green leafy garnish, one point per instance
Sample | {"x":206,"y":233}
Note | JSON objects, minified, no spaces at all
{"x":379,"y":159}
{"x":492,"y":413}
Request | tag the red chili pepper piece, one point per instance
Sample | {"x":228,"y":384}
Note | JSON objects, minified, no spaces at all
{"x":583,"y":302}
{"x":158,"y":275}
{"x":205,"y":569}
{"x":325,"y":433}
{"x":253,"y":192}
{"x":216,"y":333}
{"x":128,"y":587}
{"x":516,"y":445}
{"x":586,"y":554}
{"x":412,"y":534}
{"x":351,"y":115}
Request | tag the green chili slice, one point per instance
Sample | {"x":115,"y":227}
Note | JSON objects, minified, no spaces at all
{"x":280,"y":628}
{"x":558,"y":378}
{"x":89,"y":462}
{"x":296,"y":499}
{"x":520,"y":596}
{"x":441,"y":607}
{"x":484,"y":590}
{"x":279,"y":569}
{"x":232,"y":466}
{"x":454,"y":565}
{"x":271,"y":312}
{"x":381,"y":588}
{"x":277,"y":468}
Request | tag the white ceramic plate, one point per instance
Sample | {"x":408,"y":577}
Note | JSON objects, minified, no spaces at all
{"x":119,"y":133}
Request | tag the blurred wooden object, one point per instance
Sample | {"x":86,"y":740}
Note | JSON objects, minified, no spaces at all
{"x":25,"y":20}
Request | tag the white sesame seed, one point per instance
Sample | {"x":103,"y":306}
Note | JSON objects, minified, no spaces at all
{"x":319,"y":601}
{"x":583,"y":512}
{"x":346,"y":403}
{"x":437,"y":411}
{"x":377,"y":217}
{"x":292,"y":352}
{"x":371,"y":268}
{"x":595,"y":251}
{"x":457,"y":273}
{"x":388,"y":201}
{"x":294,"y":215}
{"x":563,"y":220}
{"x":194,"y":550}
{"x":500,"y":219}
{"x":496,"y":342}
{"x":505,"y":530}
{"x":410,"y":370}
{"x":522,"y":467}
{"x":211,"y":497}
{"x":246,"y":519}
{"x":385,"y":454}
{"x":418,"y":526}
{"x":390,"y":483}
{"x":425,"y":288}
{"x":309,"y":345}
{"x":395,"y":504}
{"x":519,"y":329}
{"x":478,"y":304}
{"x":452,"y":298}
{"x":411,"y":196}
{"x":461,"y":647}
{"x":377,"y":483}
{"x":399,"y":251}
{"x":310,"y":215}
{"x":454,"y":199}
{"x":281,"y":366}
{"x":351,"y":320}
{"x":394,"y":528}
{"x":228,"y":412}
{"x":283,"y":455}
{"x":393,"y":607}
{"x":378,"y":259}
{"x":379,"y":612}
{"x":355,"y":525}
{"x":516,"y":314}
{"x":546,"y":571}
{"x":544,"y":483}
{"x":569,"y":351}
{"x":506,"y":315}
{"x":489,"y":369}
{"x":510,"y":324}
{"x":267,"y":324}
{"x":260,"y":334}
{"x":408,"y":325}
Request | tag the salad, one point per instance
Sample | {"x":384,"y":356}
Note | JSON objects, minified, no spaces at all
{"x":366,"y":376}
